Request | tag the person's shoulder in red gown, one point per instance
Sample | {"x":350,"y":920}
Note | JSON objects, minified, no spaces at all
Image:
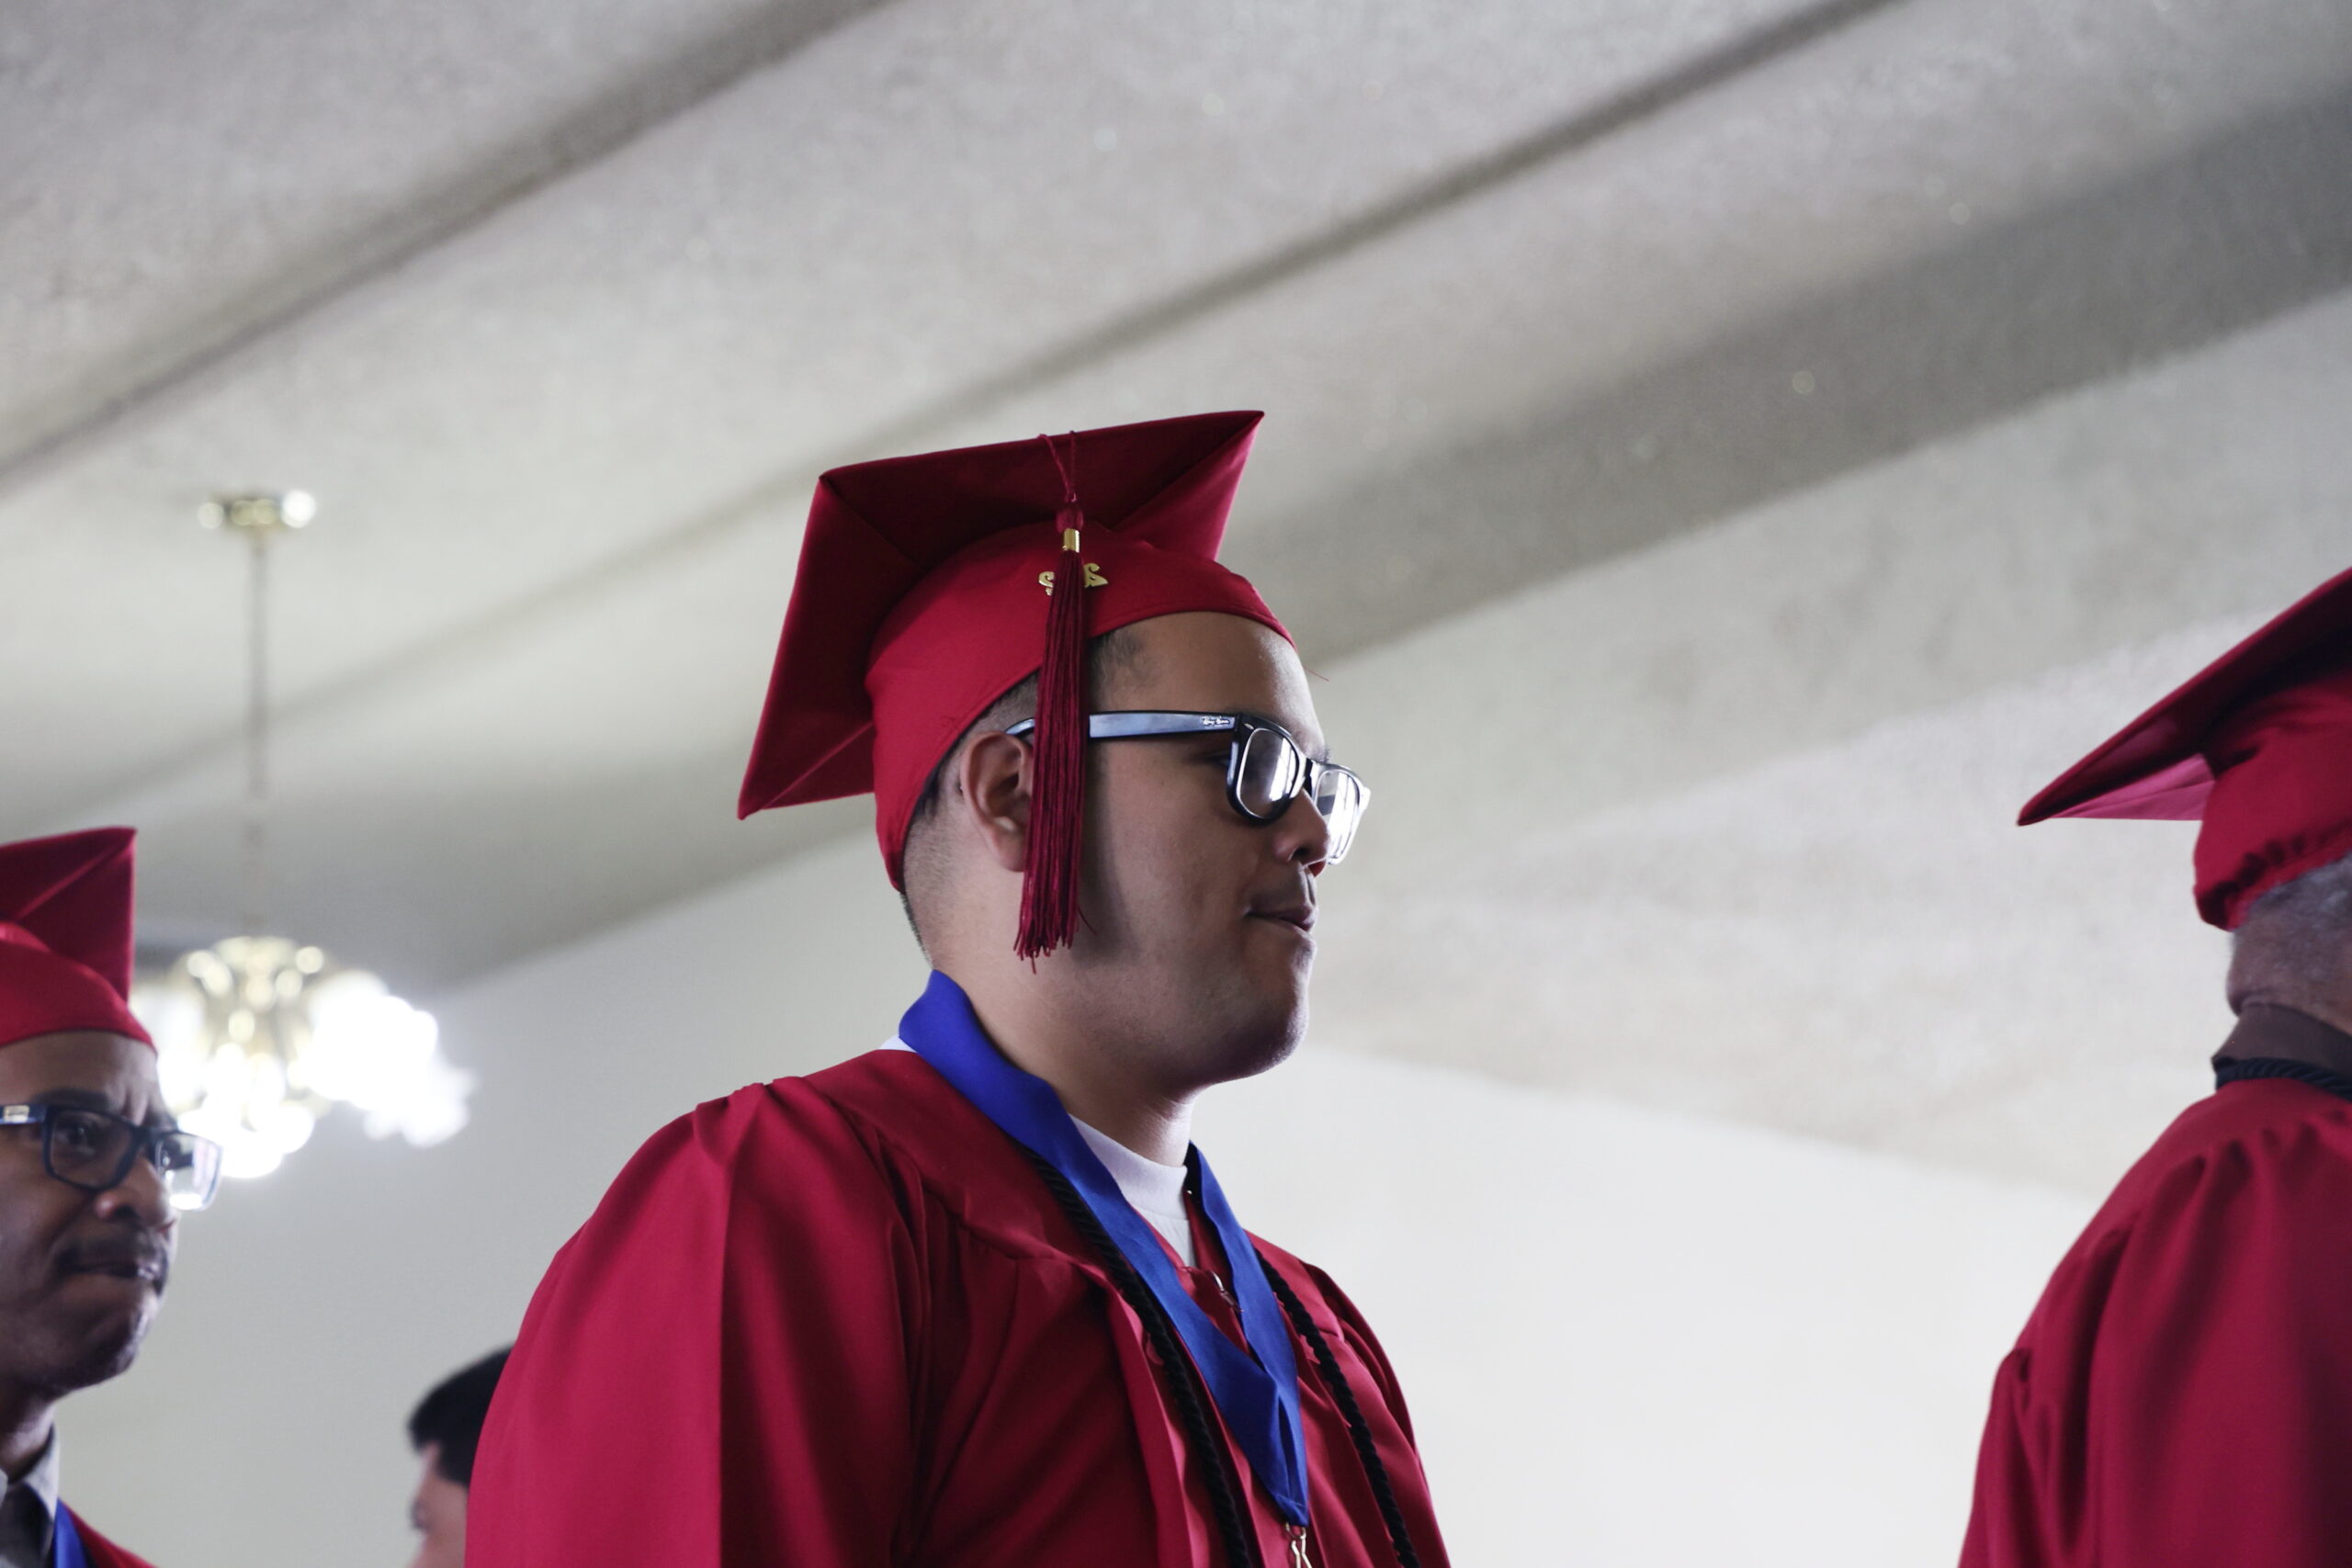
{"x":2175,"y":1393}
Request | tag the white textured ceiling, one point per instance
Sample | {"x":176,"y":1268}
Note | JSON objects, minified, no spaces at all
{"x":181,"y":177}
{"x":559,"y":307}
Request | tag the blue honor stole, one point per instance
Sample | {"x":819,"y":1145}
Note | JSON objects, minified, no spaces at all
{"x":1256,"y":1389}
{"x":65,"y":1547}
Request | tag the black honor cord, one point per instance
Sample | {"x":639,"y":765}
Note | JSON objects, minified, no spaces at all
{"x":1344,"y":1397}
{"x":2237,"y":1069}
{"x":1192,"y":1397}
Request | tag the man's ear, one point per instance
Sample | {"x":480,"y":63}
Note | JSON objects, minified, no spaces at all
{"x":994,"y":773}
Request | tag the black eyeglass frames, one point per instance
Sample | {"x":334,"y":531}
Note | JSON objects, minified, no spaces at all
{"x":1264,"y":772}
{"x":95,"y":1150}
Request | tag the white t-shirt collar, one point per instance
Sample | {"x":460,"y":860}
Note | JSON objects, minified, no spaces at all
{"x":1155,"y":1190}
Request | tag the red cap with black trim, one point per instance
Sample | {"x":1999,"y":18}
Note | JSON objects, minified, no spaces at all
{"x":2257,"y":747}
{"x":929,"y":587}
{"x":65,"y":935}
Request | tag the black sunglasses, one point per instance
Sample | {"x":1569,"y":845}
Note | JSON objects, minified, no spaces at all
{"x":95,"y":1150}
{"x":1265,"y":769}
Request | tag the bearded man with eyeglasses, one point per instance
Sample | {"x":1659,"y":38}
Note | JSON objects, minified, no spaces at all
{"x":973,"y":1298}
{"x":93,"y":1174}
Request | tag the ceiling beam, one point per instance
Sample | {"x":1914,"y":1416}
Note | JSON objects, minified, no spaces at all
{"x":331,"y":278}
{"x":2233,"y":232}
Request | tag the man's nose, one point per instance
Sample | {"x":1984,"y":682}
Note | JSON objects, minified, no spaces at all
{"x":1303,"y":835}
{"x":140,"y":1191}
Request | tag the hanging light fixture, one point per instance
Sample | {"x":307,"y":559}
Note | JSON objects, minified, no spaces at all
{"x":258,"y":1036}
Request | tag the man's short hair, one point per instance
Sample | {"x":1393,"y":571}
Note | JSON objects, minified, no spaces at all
{"x":450,"y":1417}
{"x":1114,"y":652}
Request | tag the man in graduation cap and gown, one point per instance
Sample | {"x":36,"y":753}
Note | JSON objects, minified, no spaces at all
{"x":972,"y":1299}
{"x":93,"y":1176}
{"x":2182,"y":1396}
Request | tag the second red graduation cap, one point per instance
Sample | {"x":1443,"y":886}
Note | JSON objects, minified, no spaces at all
{"x":2257,"y":747}
{"x":65,"y":935}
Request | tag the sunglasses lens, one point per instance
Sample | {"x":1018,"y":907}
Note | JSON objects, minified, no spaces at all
{"x":191,"y":1170}
{"x":1340,"y":797}
{"x":1270,"y":775}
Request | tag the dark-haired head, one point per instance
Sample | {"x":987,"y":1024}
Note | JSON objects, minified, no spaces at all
{"x":445,"y":1429}
{"x":449,"y":1420}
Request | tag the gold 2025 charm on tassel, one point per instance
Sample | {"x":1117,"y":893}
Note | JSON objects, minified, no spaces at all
{"x":1094,"y":578}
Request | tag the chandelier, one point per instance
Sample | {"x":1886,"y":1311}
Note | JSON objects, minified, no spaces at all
{"x":257,"y":1037}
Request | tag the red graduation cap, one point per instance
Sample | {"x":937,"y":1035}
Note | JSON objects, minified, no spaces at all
{"x":929,"y":586}
{"x":65,"y":944}
{"x":2256,"y":745}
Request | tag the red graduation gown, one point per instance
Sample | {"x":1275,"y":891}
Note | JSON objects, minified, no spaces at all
{"x":838,"y":1322}
{"x":2182,"y":1396}
{"x":102,"y":1552}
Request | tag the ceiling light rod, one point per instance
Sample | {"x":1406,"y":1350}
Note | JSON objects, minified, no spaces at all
{"x":260,"y":517}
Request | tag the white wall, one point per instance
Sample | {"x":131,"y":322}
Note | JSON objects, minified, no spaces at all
{"x":1632,"y":1338}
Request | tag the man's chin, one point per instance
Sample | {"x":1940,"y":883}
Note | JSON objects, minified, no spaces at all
{"x":1265,"y":1042}
{"x":105,"y":1360}
{"x":111,"y":1321}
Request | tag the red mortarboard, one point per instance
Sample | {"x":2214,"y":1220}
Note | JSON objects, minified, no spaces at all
{"x":2256,"y":745}
{"x":923,"y":597}
{"x":65,"y":935}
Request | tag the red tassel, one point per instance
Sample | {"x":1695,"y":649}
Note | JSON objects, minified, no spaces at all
{"x":1057,"y":787}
